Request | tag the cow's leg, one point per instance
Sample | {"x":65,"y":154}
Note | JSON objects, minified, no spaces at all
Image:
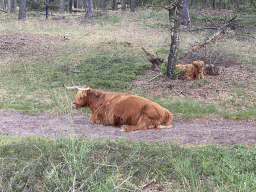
{"x":130,"y":128}
{"x":143,"y":123}
{"x":164,"y":126}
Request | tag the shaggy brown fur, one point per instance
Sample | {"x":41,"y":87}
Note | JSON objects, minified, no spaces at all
{"x":117,"y":109}
{"x":191,"y":71}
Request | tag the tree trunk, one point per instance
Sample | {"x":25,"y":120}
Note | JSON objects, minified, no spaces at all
{"x":132,"y":5}
{"x":70,"y":6}
{"x":214,"y":4}
{"x":220,"y":4}
{"x":2,"y":5}
{"x":88,"y":11}
{"x":175,"y":14}
{"x":9,"y":2}
{"x":22,"y":9}
{"x":103,"y":4}
{"x":11,"y":6}
{"x":123,"y":5}
{"x":185,"y":13}
{"x":205,"y":3}
{"x":114,"y":7}
{"x":62,"y":6}
{"x":80,"y":4}
{"x":192,"y":3}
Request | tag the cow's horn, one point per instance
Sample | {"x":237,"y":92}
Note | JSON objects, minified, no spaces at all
{"x":81,"y":89}
{"x":68,"y":87}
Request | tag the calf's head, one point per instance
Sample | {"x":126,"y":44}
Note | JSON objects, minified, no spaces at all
{"x":198,"y":65}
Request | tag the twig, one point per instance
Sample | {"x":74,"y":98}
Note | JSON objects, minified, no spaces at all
{"x":227,"y":23}
{"x":147,"y":184}
{"x":87,"y":179}
{"x":74,"y":184}
{"x":179,"y":92}
{"x":105,"y":165}
{"x":75,"y":71}
{"x":203,"y":28}
{"x":210,"y":20}
{"x":153,"y":78}
{"x":116,"y":187}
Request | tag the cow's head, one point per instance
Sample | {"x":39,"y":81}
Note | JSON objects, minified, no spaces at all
{"x":198,"y":65}
{"x":81,"y":96}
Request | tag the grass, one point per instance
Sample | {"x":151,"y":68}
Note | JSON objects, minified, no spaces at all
{"x":104,"y":55}
{"x":62,"y":164}
{"x":107,"y":55}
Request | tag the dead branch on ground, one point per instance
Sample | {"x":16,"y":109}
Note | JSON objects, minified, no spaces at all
{"x":3,"y":10}
{"x":156,"y":61}
{"x":78,"y":10}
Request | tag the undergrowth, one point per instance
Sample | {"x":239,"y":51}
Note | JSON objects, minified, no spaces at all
{"x":80,"y":164}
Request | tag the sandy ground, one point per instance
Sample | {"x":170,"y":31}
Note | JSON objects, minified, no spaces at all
{"x":217,"y":131}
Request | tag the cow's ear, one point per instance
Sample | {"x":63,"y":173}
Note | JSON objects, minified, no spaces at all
{"x":195,"y":62}
{"x":97,"y":93}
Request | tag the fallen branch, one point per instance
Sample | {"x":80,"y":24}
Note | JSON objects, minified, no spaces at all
{"x":3,"y":10}
{"x":156,"y":61}
{"x":178,"y":92}
{"x":147,"y":184}
{"x":153,"y":78}
{"x":216,"y":36}
{"x":78,"y":10}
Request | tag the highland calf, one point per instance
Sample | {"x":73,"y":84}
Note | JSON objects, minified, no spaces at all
{"x":117,"y":109}
{"x":191,"y":71}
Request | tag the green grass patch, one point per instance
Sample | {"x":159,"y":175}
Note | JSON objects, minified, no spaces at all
{"x":37,"y":86}
{"x":107,"y":71}
{"x":44,"y":164}
{"x":249,"y":113}
{"x":189,"y":108}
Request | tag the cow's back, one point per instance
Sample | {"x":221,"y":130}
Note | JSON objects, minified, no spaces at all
{"x":129,"y":108}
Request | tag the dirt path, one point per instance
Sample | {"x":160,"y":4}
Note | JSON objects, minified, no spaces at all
{"x":219,"y":131}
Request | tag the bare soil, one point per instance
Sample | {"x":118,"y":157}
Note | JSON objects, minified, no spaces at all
{"x":214,"y":131}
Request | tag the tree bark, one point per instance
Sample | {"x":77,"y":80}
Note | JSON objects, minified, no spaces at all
{"x":175,"y":13}
{"x":22,"y":9}
{"x":9,"y":6}
{"x":70,"y":6}
{"x":103,"y":4}
{"x":132,"y":5}
{"x":88,"y":11}
{"x":214,"y":4}
{"x":114,"y":7}
{"x":2,"y":5}
{"x":185,"y":13}
{"x":75,"y":3}
{"x":192,"y":3}
{"x":80,"y":4}
{"x":123,"y":5}
{"x":62,"y":6}
{"x":220,"y":4}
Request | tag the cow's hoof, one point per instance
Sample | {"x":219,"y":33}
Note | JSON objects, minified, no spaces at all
{"x":123,"y":130}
